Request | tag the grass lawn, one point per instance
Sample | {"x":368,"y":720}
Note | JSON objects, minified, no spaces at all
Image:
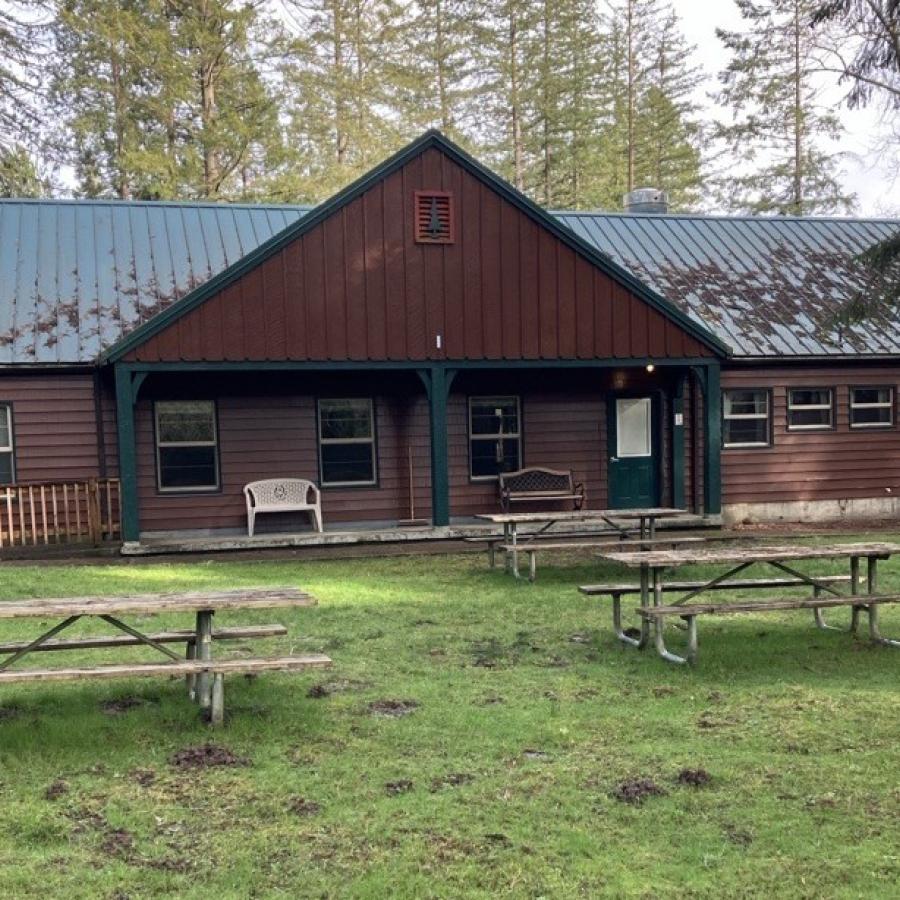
{"x":501,"y":781}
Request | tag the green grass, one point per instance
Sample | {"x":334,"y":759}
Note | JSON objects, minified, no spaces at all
{"x":798,"y":729}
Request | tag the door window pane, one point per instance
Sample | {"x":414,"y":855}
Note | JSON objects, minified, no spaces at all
{"x":6,"y":445}
{"x":633,"y":427}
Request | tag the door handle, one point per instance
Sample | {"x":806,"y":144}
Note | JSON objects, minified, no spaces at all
{"x":614,"y":459}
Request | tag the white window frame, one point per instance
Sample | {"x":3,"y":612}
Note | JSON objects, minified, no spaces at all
{"x":371,"y":440}
{"x":214,"y":443}
{"x":756,"y":445}
{"x":791,"y":407}
{"x":10,"y":448}
{"x":889,"y":405}
{"x":485,"y":400}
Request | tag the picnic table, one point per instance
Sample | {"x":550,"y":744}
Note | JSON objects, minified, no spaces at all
{"x":653,"y":563}
{"x":205,"y":675}
{"x":613,"y":518}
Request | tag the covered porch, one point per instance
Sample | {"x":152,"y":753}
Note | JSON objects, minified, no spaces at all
{"x":427,"y":478}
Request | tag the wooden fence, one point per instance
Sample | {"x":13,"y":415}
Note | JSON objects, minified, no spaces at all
{"x":57,"y":512}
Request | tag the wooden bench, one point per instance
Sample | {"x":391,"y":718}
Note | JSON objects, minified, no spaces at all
{"x":189,"y":668}
{"x":276,"y":495}
{"x":690,"y":612}
{"x":539,"y":485}
{"x":532,"y":548}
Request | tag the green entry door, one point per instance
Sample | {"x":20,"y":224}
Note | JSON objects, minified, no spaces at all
{"x":633,"y":465}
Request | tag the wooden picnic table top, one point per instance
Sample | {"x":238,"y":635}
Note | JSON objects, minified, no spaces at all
{"x":189,"y":601}
{"x":737,"y":555}
{"x":581,"y":515}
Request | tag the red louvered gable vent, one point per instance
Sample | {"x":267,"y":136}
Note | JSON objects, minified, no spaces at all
{"x":434,"y":217}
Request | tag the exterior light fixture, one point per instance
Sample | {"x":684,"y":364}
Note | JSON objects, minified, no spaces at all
{"x":651,"y":367}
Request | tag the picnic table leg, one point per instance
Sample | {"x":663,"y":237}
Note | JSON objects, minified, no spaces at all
{"x":873,"y":608}
{"x":668,"y":655}
{"x":645,"y":602}
{"x":617,"y":623}
{"x":819,"y":616}
{"x":507,"y":539}
{"x":515,"y":553}
{"x":532,"y":565}
{"x":217,"y":702}
{"x":204,"y":652}
{"x":190,"y":653}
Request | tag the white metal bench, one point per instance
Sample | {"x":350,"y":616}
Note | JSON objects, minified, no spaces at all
{"x":283,"y":495}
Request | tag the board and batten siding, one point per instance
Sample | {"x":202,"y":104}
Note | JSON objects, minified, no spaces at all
{"x":357,"y":287}
{"x":843,"y":464}
{"x":54,"y":426}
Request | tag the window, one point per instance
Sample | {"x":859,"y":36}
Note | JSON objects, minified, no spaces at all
{"x":495,"y":437}
{"x":810,"y":409}
{"x":7,"y":469}
{"x":745,"y":416}
{"x":347,"y":442}
{"x":871,"y":407}
{"x":187,"y":446}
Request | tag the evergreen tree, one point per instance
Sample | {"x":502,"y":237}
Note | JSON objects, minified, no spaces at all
{"x":21,"y":52}
{"x":19,"y":176}
{"x":778,"y":118}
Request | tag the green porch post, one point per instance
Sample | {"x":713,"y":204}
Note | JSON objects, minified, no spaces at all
{"x":437,"y":381}
{"x":712,"y":456}
{"x":678,"y":443}
{"x":128,"y":498}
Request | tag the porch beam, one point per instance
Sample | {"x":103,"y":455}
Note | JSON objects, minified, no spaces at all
{"x":712,"y":445}
{"x":125,"y":394}
{"x":678,"y":443}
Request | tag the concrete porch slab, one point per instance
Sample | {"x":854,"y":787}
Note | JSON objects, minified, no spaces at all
{"x":185,"y":542}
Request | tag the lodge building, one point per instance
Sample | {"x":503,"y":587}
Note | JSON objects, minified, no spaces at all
{"x":421,"y":330}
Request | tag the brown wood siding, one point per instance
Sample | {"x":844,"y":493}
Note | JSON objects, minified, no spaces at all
{"x":268,"y":437}
{"x":842,"y":464}
{"x":359,"y":287}
{"x":54,"y":425}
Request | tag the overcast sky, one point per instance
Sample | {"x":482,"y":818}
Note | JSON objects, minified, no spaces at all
{"x":863,"y":172}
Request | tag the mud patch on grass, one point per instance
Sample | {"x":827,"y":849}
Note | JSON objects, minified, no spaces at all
{"x":694,"y":777}
{"x":663,"y":690}
{"x":453,"y":779}
{"x":637,"y":790}
{"x":10,"y":712}
{"x":120,"y":705}
{"x":403,"y":786}
{"x":393,"y":708}
{"x":539,"y":755}
{"x":118,"y":842}
{"x":740,"y":837}
{"x":580,"y":638}
{"x":144,"y":777}
{"x":206,"y":756}
{"x":57,"y":789}
{"x":489,"y":701}
{"x":302,"y":806}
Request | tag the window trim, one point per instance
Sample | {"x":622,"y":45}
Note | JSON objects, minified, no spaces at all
{"x":871,"y":426}
{"x":190,"y":489}
{"x":814,"y":428}
{"x":519,"y":435}
{"x":768,"y":417}
{"x":373,"y":441}
{"x":11,"y":448}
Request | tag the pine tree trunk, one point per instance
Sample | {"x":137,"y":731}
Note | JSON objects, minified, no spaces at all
{"x":443,"y":103}
{"x":629,"y":178}
{"x":515,"y":112}
{"x":546,"y":104}
{"x":340,"y":136}
{"x":798,"y":117}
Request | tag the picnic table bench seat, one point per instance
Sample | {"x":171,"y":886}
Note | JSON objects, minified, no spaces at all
{"x":537,"y":484}
{"x":689,"y":612}
{"x":732,"y":584}
{"x":190,"y":668}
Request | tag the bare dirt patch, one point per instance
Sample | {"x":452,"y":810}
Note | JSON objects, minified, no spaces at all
{"x":393,"y":708}
{"x":403,"y":786}
{"x":57,"y":789}
{"x":540,"y":755}
{"x":302,"y":806}
{"x":118,"y":842}
{"x":694,"y":777}
{"x":120,"y":705}
{"x":337,"y":686}
{"x":206,"y":756}
{"x":453,"y":779}
{"x":637,"y":790}
{"x":489,"y":701}
{"x":144,"y":777}
{"x":10,"y":712}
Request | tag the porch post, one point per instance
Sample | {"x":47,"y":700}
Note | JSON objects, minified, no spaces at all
{"x":678,"y":442}
{"x":712,"y":455}
{"x":437,"y":381}
{"x":128,"y":497}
